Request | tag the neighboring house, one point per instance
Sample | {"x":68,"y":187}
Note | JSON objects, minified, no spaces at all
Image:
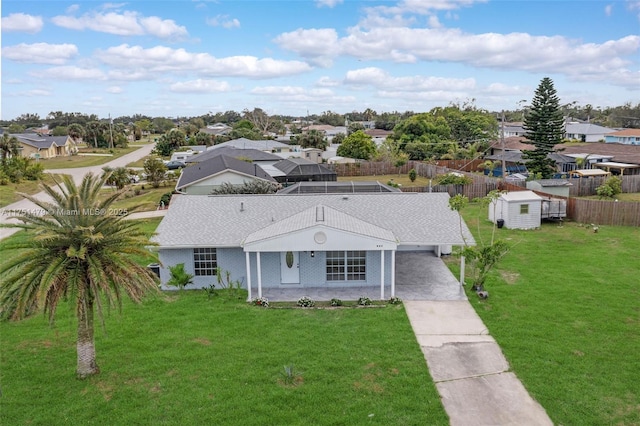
{"x":518,"y":210}
{"x":378,"y":136}
{"x":558,"y":187}
{"x":36,"y":146}
{"x":253,"y":155}
{"x":312,"y":154}
{"x":586,"y":132}
{"x":216,"y":129}
{"x":297,"y":241}
{"x":294,"y":170}
{"x":512,"y":130}
{"x":262,"y":145}
{"x":203,"y":178}
{"x":602,"y":152}
{"x":626,"y":136}
{"x":353,"y":187}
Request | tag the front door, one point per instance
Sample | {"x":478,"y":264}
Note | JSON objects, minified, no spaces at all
{"x":290,"y":267}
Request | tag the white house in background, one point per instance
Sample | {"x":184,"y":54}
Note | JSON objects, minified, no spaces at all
{"x":298,"y":241}
{"x":518,"y":210}
{"x":586,"y":132}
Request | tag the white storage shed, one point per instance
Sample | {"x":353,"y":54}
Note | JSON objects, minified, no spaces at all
{"x":517,"y":210}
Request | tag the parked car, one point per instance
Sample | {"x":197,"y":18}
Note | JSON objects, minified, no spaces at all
{"x":174,"y":165}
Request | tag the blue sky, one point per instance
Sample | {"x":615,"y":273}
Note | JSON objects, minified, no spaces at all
{"x":188,"y":58}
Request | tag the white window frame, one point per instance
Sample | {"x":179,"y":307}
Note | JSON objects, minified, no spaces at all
{"x":205,"y":261}
{"x":347,"y":265}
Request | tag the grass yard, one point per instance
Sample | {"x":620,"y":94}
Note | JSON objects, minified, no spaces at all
{"x":564,"y":307}
{"x":9,"y":193}
{"x":189,"y":359}
{"x":402,"y":179}
{"x":146,"y":200}
{"x":86,"y":160}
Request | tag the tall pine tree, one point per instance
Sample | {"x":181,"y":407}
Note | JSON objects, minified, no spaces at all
{"x":544,"y":125}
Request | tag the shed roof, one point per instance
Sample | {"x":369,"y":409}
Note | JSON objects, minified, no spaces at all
{"x":515,"y":196}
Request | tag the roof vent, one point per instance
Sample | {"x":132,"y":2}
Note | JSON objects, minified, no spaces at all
{"x":319,"y":213}
{"x":345,"y":197}
{"x":241,"y":206}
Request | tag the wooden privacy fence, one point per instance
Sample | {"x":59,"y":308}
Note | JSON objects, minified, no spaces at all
{"x":604,"y":212}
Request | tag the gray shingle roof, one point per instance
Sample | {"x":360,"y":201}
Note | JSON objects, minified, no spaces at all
{"x":41,"y":142}
{"x":226,"y":220}
{"x":229,"y":151}
{"x":302,"y":167}
{"x":216,"y":165}
{"x":243,"y":143}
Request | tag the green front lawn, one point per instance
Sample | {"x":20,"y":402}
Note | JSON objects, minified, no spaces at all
{"x":86,"y":160}
{"x":564,"y":307}
{"x":189,"y":359}
{"x":9,"y":193}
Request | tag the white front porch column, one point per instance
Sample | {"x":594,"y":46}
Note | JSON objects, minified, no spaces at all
{"x":461,"y":270}
{"x":393,"y":273}
{"x":382,"y":275}
{"x":247,"y":256}
{"x":259,"y":274}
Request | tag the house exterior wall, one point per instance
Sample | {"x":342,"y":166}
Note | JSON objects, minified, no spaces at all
{"x":627,"y":140}
{"x":206,"y":186}
{"x":312,"y":269}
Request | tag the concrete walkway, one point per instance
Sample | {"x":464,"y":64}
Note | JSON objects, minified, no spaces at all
{"x":468,"y":367}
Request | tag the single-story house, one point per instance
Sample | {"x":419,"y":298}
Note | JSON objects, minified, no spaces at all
{"x":626,"y":136}
{"x":559,"y":187}
{"x":297,"y":241}
{"x":261,"y":145}
{"x":299,"y":169}
{"x":586,"y":132}
{"x":36,"y":146}
{"x":253,"y":155}
{"x":517,"y":210}
{"x":203,"y":178}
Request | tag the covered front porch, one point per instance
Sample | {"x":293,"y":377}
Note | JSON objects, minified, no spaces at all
{"x":418,"y":276}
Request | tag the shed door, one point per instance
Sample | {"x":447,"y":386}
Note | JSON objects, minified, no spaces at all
{"x":290,"y":267}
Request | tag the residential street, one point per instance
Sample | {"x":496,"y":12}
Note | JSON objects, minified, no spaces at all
{"x":77,"y":174}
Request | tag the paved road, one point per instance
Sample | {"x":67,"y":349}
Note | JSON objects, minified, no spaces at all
{"x":77,"y":174}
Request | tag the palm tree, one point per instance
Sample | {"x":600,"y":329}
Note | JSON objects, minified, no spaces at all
{"x":9,"y":146}
{"x":79,"y":252}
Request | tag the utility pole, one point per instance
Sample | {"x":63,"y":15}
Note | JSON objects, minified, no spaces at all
{"x":504,"y":170}
{"x":110,"y":132}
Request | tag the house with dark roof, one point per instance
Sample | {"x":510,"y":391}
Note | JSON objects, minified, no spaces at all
{"x":33,"y":145}
{"x":204,"y":177}
{"x":352,"y":187}
{"x":253,"y":155}
{"x":294,"y":170}
{"x":324,"y":241}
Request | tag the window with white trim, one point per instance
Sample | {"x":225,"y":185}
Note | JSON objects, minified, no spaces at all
{"x":346,"y":265}
{"x":204,"y":261}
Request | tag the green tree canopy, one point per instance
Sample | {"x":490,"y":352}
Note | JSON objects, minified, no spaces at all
{"x":79,"y":252}
{"x":544,"y":125}
{"x":357,"y":145}
{"x":312,"y":139}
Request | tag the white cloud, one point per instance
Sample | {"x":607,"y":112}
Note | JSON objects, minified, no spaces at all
{"x":634,"y":5}
{"x":164,"y":59}
{"x":514,"y":51}
{"x":115,"y":89}
{"x":201,"y":86}
{"x":381,"y":79}
{"x":294,"y":95}
{"x":124,"y":24}
{"x":71,"y":73}
{"x":20,"y":22}
{"x":37,"y":93}
{"x":319,"y":46}
{"x":328,"y":3}
{"x":40,"y":53}
{"x":327,"y":82}
{"x":608,"y":9}
{"x":223,"y":21}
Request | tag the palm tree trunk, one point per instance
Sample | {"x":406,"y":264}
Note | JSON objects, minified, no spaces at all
{"x":85,"y":344}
